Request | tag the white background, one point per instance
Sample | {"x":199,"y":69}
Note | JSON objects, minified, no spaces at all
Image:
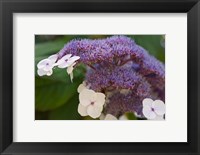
{"x":173,"y":129}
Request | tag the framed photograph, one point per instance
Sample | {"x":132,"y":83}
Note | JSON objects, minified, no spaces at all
{"x":103,"y":77}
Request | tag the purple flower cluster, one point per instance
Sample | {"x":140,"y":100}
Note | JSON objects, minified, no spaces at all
{"x":118,"y":63}
{"x":120,"y":104}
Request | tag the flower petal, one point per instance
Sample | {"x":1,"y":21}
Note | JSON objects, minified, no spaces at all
{"x":110,"y":117}
{"x":41,"y":72}
{"x":123,"y":117}
{"x":43,"y":63}
{"x":48,"y":67}
{"x":147,"y":102}
{"x":74,"y":58}
{"x":159,"y":107}
{"x":81,"y":87}
{"x":94,"y":111}
{"x":60,"y":61}
{"x":102,"y":116}
{"x":50,"y":72}
{"x":100,"y":100}
{"x":63,"y":64}
{"x":53,"y":58}
{"x":82,"y":110}
{"x":66,"y":57}
{"x":87,"y":96}
{"x":70,"y":68}
{"x":159,"y":118}
{"x":71,"y":76}
{"x":148,"y":113}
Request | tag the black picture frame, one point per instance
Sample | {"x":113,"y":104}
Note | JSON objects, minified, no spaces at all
{"x":8,"y":7}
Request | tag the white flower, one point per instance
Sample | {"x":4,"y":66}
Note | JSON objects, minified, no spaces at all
{"x":45,"y":66}
{"x":159,"y":118}
{"x":110,"y":117}
{"x":91,"y":103}
{"x":42,"y":72}
{"x":153,"y":109}
{"x":68,"y":62}
{"x":81,"y":87}
{"x":123,"y":117}
{"x":107,"y":117}
{"x":102,"y":116}
{"x":63,"y":62}
{"x":82,"y":110}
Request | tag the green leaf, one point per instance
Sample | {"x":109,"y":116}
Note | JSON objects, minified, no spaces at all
{"x":68,"y":111}
{"x":50,"y":94}
{"x":41,"y":115}
{"x":130,"y":116}
{"x":48,"y":48}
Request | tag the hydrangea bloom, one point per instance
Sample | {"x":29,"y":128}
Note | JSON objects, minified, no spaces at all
{"x":81,"y":87}
{"x":91,"y":103}
{"x":45,"y":66}
{"x":68,"y":62}
{"x":153,"y":109}
{"x":110,"y":117}
{"x":123,"y":117}
{"x":118,"y":68}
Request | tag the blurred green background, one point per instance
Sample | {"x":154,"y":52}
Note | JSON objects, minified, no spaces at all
{"x":56,"y":98}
